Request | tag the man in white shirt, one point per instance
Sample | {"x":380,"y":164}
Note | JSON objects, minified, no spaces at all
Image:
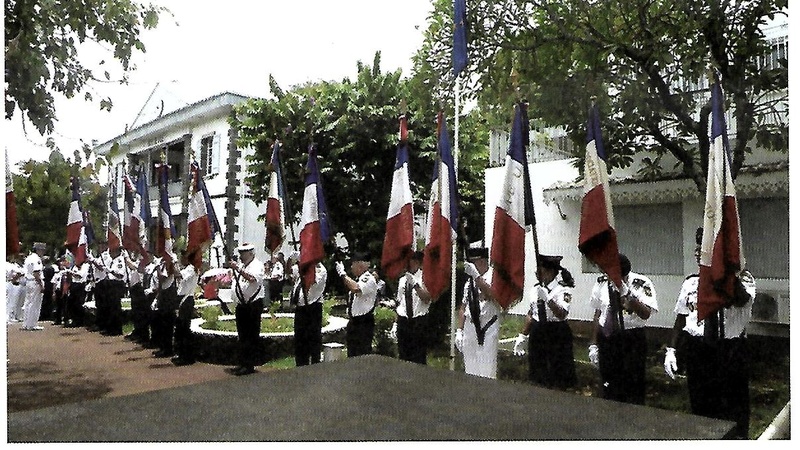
{"x":116,"y":285}
{"x":413,"y":302}
{"x":363,"y":291}
{"x":166,"y":303}
{"x":308,"y":317}
{"x":247,"y":277}
{"x":15,"y":288}
{"x":276,"y":278}
{"x":34,"y":288}
{"x":100,"y":289}
{"x":187,"y":280}
{"x":78,"y":288}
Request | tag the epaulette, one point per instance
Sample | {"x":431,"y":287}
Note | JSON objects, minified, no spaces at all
{"x":637,"y":282}
{"x":692,"y":276}
{"x":562,"y":283}
{"x":602,"y":278}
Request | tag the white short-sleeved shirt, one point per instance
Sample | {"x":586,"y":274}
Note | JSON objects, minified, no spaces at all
{"x":488,"y":308}
{"x":80,"y":274}
{"x":249,"y":291}
{"x":317,"y":288}
{"x":33,"y":263}
{"x":116,"y":267}
{"x":557,"y":292}
{"x":640,"y":287}
{"x":419,"y":307}
{"x":188,"y":283}
{"x":364,"y":302}
{"x":735,"y":318}
{"x":277,"y":271}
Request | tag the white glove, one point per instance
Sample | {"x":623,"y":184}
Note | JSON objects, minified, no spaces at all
{"x":594,"y":355}
{"x":340,"y":268}
{"x":471,"y":270}
{"x":460,"y":340}
{"x":541,"y":293}
{"x":393,"y":332}
{"x":670,"y":362}
{"x":153,"y":305}
{"x":519,"y":350}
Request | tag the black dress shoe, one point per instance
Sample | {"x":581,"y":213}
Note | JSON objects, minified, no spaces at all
{"x":162,"y":354}
{"x":178,"y":361}
{"x":149,"y":345}
{"x":244,"y":371}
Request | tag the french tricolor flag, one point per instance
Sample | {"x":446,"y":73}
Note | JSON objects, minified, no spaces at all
{"x":198,"y":223}
{"x":75,"y":217}
{"x":130,"y":235}
{"x":598,"y":238}
{"x":398,"y":244}
{"x":314,"y":225}
{"x":166,"y":228}
{"x":513,"y":216}
{"x":442,"y":217}
{"x":85,"y":239}
{"x":113,"y":233}
{"x":721,"y":256}
{"x":276,"y":229}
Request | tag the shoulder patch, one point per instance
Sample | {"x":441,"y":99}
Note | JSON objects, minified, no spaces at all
{"x":567,"y":297}
{"x":637,"y":282}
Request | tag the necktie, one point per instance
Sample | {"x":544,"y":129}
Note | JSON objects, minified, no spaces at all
{"x":409,"y":301}
{"x":295,"y":298}
{"x":541,"y":309}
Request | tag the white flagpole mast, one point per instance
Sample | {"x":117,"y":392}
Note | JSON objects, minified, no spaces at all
{"x":453,"y":236}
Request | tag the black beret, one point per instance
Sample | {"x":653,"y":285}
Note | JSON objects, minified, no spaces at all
{"x":480,"y":252}
{"x":551,"y":262}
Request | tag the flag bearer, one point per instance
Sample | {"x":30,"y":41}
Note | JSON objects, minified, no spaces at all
{"x":360,"y":305}
{"x":413,"y":302}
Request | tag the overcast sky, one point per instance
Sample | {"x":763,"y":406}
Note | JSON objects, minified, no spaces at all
{"x":233,"y":45}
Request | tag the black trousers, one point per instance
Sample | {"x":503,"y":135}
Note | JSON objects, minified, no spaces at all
{"x":184,"y":345}
{"x":308,"y":334}
{"x":140,"y":309}
{"x":359,"y":335}
{"x":60,"y":304}
{"x":164,"y":318}
{"x":248,"y":327}
{"x":550,"y":360}
{"x":718,"y":376}
{"x":275,"y":291}
{"x":115,"y":290}
{"x":412,"y":339}
{"x":73,"y":312}
{"x":101,"y":304}
{"x":623,"y":360}
{"x":47,"y":302}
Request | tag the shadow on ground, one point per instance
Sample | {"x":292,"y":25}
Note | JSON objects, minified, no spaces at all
{"x":41,"y":384}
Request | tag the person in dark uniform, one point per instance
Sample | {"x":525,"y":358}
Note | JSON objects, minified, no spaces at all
{"x":247,"y":283}
{"x":413,"y":302}
{"x":139,"y":304}
{"x":48,"y":271}
{"x":166,"y":304}
{"x":360,"y":305}
{"x":99,"y":287}
{"x":116,"y":287}
{"x":151,"y":287}
{"x":308,"y":317}
{"x":550,"y":359}
{"x":60,"y":282}
{"x":619,"y":350}
{"x":717,"y":362}
{"x":78,"y":289}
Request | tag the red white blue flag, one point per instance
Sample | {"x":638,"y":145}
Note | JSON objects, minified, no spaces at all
{"x":75,"y":217}
{"x":442,"y":217}
{"x":113,"y":232}
{"x":398,"y":244}
{"x":721,"y":255}
{"x":12,"y":227}
{"x":199,"y":226}
{"x":166,"y":227}
{"x":459,"y":36}
{"x":85,"y":238}
{"x":314,"y":225}
{"x":276,"y":228}
{"x":130,"y":236}
{"x":598,"y":238}
{"x":513,"y":216}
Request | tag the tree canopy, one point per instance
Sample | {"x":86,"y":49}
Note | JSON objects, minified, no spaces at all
{"x":645,"y":61}
{"x":354,"y":126}
{"x":42,"y":43}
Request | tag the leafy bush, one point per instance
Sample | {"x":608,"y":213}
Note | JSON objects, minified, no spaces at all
{"x":384,"y":319}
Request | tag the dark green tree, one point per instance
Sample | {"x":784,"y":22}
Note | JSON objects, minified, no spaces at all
{"x":43,"y":196}
{"x":641,"y":59}
{"x":42,"y":43}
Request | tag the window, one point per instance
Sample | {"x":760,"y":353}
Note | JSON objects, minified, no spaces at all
{"x":210,"y":154}
{"x":765,"y":236}
{"x":650,"y":236}
{"x":779,"y":50}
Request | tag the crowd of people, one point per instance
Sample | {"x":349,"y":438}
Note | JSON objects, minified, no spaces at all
{"x":162,"y":292}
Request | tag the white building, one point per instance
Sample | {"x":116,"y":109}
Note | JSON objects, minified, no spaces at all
{"x":656,"y":220}
{"x":196,"y":132}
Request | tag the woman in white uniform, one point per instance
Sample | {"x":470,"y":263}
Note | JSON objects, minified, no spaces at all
{"x":479,"y":318}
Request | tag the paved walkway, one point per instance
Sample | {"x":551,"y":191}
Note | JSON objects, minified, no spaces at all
{"x":60,"y":365}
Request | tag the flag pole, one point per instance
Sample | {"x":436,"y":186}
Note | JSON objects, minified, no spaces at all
{"x":453,"y":237}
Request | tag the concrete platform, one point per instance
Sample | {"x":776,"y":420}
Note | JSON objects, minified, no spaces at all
{"x":372,"y":398}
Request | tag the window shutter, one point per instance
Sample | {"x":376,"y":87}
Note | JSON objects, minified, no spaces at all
{"x":216,"y":154}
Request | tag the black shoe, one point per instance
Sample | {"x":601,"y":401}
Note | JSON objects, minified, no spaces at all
{"x":93,"y":329}
{"x":130,"y":337}
{"x":244,"y":371}
{"x":57,"y":322}
{"x":178,"y":361}
{"x":162,"y":354}
{"x":149,"y":345}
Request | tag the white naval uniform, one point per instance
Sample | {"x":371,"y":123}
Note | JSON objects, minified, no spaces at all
{"x":481,"y":360}
{"x":34,"y":291}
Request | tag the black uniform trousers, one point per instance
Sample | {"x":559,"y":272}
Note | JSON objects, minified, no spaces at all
{"x":73,"y":312}
{"x":101,"y":305}
{"x":184,"y":346}
{"x":164,"y":318}
{"x":550,"y":359}
{"x":248,"y":327}
{"x":115,"y":290}
{"x":623,"y":360}
{"x":140,"y":310}
{"x":60,"y":301}
{"x":718,"y":377}
{"x":308,"y":334}
{"x":412,"y":339}
{"x":359,"y":335}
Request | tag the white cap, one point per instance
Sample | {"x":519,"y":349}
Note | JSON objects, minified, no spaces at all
{"x":246,"y":247}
